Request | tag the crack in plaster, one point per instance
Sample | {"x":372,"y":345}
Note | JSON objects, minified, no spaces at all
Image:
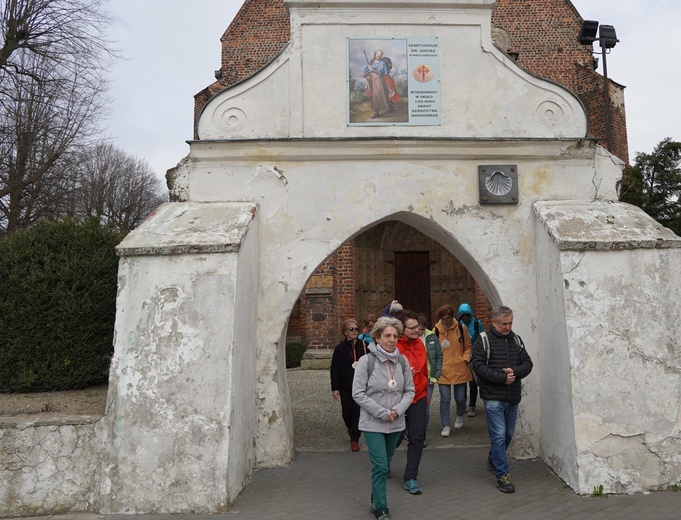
{"x":575,"y":265}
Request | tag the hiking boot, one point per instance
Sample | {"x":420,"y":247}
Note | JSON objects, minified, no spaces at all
{"x":411,"y":486}
{"x":458,"y":424}
{"x":446,"y":431}
{"x":354,"y":445}
{"x":471,"y":411}
{"x":504,"y":483}
{"x":384,"y":515}
{"x":490,"y":466}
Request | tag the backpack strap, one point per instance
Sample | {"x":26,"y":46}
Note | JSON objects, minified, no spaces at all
{"x":485,"y":344}
{"x":519,"y":342}
{"x":477,"y":326}
{"x":371,"y":363}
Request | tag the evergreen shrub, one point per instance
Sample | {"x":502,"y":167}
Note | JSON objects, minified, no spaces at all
{"x":294,"y":353}
{"x":57,"y":305}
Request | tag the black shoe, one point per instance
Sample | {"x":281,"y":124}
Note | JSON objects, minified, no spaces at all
{"x":504,"y":484}
{"x":383,"y":514}
{"x":490,"y":466}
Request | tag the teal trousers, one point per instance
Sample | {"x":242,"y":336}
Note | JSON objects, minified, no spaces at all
{"x":381,"y":450}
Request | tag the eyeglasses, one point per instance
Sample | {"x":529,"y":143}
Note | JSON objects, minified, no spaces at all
{"x":412,"y":328}
{"x":352,"y":329}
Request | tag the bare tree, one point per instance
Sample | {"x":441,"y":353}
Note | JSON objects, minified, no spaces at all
{"x":53,"y":55}
{"x":115,"y":187}
{"x":67,"y":33}
{"x":40,"y":124}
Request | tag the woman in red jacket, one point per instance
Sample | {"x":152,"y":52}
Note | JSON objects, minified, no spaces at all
{"x":411,"y":347}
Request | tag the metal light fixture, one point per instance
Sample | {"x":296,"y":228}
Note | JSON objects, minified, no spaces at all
{"x":607,"y":37}
{"x":588,"y":33}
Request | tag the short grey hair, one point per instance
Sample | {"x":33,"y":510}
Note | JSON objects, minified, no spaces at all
{"x":382,"y":323}
{"x":500,"y":311}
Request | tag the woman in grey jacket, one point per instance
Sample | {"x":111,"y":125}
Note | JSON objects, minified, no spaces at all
{"x":383,"y":388}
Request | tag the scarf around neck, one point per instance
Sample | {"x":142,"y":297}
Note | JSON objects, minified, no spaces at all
{"x":389,"y":355}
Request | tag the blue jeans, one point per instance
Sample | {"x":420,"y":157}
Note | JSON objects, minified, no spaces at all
{"x":431,"y":387}
{"x":501,"y":419}
{"x":446,"y":400}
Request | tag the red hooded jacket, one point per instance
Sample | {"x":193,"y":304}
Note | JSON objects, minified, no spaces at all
{"x":415,"y":352}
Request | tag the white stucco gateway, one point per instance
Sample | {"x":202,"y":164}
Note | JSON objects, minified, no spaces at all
{"x":279,"y":179}
{"x":282,"y":176}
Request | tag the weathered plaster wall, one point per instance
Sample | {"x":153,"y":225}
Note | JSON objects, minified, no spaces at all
{"x":618,"y":271}
{"x":625,"y":329}
{"x":553,"y":359}
{"x":47,"y":466}
{"x":182,"y":386}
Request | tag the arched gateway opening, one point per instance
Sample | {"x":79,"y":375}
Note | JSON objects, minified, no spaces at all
{"x":389,"y":260}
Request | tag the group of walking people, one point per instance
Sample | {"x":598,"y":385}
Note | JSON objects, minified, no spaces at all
{"x":385,"y":386}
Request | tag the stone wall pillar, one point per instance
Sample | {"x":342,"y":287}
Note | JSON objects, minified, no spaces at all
{"x":608,"y":346}
{"x":179,"y":432}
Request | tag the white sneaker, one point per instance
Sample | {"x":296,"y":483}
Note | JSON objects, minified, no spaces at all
{"x":445,"y":431}
{"x":458,"y":424}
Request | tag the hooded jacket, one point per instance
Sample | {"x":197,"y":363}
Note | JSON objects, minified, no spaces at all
{"x":375,"y":397}
{"x":415,"y":352}
{"x":474,"y":326}
{"x":456,"y":354}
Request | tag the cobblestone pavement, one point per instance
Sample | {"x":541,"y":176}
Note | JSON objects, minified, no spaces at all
{"x":318,"y":425}
{"x":328,"y":481}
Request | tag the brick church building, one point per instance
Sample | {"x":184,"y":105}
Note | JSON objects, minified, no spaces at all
{"x":392,"y":260}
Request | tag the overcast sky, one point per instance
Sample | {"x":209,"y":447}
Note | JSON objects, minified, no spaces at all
{"x":173,"y":51}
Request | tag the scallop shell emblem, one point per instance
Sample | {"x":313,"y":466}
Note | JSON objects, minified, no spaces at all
{"x":423,"y":73}
{"x":498,"y":183}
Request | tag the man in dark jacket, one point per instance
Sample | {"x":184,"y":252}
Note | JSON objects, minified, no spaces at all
{"x":500,"y":362}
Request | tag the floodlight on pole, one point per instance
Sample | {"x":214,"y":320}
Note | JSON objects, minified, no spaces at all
{"x":607,"y":37}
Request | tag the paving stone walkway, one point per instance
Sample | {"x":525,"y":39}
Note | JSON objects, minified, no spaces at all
{"x":328,"y":481}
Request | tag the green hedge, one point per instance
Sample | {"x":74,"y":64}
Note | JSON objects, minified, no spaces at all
{"x":294,"y":353}
{"x":57,"y":305}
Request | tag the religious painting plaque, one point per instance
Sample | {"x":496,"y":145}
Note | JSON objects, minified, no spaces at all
{"x":394,"y":81}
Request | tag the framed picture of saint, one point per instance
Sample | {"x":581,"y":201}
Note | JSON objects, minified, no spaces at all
{"x":378,"y":81}
{"x":394,"y":81}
